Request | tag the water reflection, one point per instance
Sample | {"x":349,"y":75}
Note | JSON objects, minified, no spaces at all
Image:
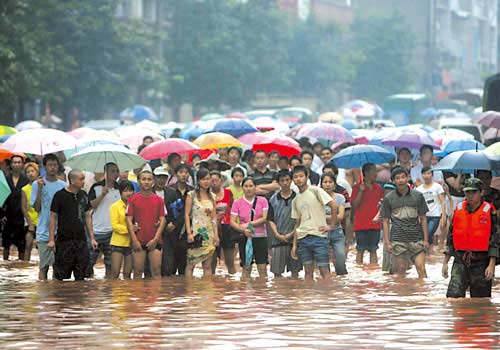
{"x":365,"y":309}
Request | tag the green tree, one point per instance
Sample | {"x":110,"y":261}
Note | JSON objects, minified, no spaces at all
{"x":386,"y":46}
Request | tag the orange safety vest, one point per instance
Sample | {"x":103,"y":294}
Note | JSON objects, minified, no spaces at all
{"x":471,"y":231}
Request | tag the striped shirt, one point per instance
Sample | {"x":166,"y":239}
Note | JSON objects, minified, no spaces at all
{"x":404,"y":212}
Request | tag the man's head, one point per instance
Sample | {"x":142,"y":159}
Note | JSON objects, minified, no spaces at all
{"x":330,"y":168}
{"x":260,"y":159}
{"x":161,"y":176}
{"x":427,"y":174}
{"x":317,"y":148}
{"x":300,"y":175}
{"x":473,"y":189}
{"x":274,"y":158}
{"x":283,"y":163}
{"x":284,"y":179}
{"x":145,"y":180}
{"x":51,"y":164}
{"x":326,"y":154}
{"x":426,"y":154}
{"x":404,"y":155}
{"x":399,"y":177}
{"x":215,"y":180}
{"x":485,"y":176}
{"x":294,"y":161}
{"x":146,"y":140}
{"x":173,"y":160}
{"x":112,"y":172}
{"x":76,"y":178}
{"x":234,"y":155}
{"x":182,"y":173}
{"x":17,"y":164}
{"x":307,"y":158}
{"x":369,"y":171}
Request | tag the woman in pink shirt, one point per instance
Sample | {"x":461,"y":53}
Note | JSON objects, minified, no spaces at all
{"x":251,"y":211}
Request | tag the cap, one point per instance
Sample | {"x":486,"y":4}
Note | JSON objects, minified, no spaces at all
{"x":161,"y":170}
{"x":473,"y":184}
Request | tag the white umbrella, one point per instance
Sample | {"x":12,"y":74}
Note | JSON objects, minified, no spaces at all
{"x":40,"y":141}
{"x":94,"y":158}
{"x":28,"y":124}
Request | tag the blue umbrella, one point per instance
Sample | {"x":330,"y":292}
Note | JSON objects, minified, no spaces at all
{"x":233,"y":126}
{"x":468,"y":162}
{"x":459,"y":145}
{"x":70,"y":152}
{"x":193,"y":130}
{"x":4,"y":138}
{"x":349,"y":124}
{"x":4,"y":189}
{"x":356,"y":156}
{"x":139,"y":113}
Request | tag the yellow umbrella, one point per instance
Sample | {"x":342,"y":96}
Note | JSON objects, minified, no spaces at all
{"x":216,"y":140}
{"x":7,"y":130}
{"x":493,"y":149}
{"x":330,"y":117}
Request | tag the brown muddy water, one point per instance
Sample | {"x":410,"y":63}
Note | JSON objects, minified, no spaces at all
{"x":364,"y":310}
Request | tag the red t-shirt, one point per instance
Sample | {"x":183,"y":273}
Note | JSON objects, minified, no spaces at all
{"x":224,"y":207}
{"x":368,"y":207}
{"x":146,"y":212}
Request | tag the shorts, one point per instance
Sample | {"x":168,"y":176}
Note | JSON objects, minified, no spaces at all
{"x":367,"y":240}
{"x":314,"y":248}
{"x":103,"y":247}
{"x":260,"y":253}
{"x":281,"y":259}
{"x":158,"y":247}
{"x":46,"y":255}
{"x":125,"y":251}
{"x":229,"y":237}
{"x":33,"y":233}
{"x":71,"y":256}
{"x":407,"y":250}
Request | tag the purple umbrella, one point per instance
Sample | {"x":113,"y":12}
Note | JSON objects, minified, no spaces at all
{"x":410,"y":139}
{"x":490,"y":119}
{"x":492,"y":133}
{"x":326,"y":131}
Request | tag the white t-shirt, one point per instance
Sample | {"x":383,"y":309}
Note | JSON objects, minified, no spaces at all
{"x":431,"y":198}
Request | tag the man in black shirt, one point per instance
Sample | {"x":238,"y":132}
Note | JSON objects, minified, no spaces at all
{"x":13,"y":233}
{"x":174,"y":237}
{"x":69,"y":209}
{"x":307,"y":158}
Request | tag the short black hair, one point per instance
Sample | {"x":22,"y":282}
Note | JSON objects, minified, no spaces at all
{"x":299,"y":169}
{"x":326,"y":149}
{"x":274,"y":152}
{"x":246,"y":179}
{"x":426,"y":169}
{"x":397,"y":170}
{"x":234,"y":148}
{"x":237,"y":170}
{"x":317,"y":143}
{"x":366,"y":168}
{"x":107,"y":165}
{"x":331,"y":176}
{"x":50,"y":156}
{"x":284,"y":158}
{"x":424,"y":147}
{"x":283,"y":173}
{"x":171,"y":156}
{"x":144,"y":172}
{"x":180,"y":167}
{"x":306,"y":152}
{"x":260,"y":151}
{"x":17,"y":156}
{"x":147,"y":137}
{"x":125,"y":185}
{"x":331,"y":165}
{"x":216,"y":173}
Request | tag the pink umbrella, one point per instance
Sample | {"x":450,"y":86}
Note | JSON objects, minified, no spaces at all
{"x":490,"y":119}
{"x":134,"y":141}
{"x":81,"y":132}
{"x":284,"y":145}
{"x":410,"y":139}
{"x":254,"y":138}
{"x":161,"y":149}
{"x":492,"y":133}
{"x":325,"y":131}
{"x":40,"y":141}
{"x":236,"y":115}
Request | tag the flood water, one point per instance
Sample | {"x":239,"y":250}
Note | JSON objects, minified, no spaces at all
{"x":364,"y":310}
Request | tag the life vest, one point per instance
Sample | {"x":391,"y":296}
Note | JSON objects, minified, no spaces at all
{"x":471,"y":231}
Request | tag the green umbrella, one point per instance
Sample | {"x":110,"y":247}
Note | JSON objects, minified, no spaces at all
{"x":4,"y":189}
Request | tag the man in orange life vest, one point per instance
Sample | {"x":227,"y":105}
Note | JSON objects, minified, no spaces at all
{"x":473,"y":241}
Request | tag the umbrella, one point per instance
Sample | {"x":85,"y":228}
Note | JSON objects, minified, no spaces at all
{"x":493,"y":149}
{"x":330,"y":117}
{"x":349,"y":124}
{"x":4,"y":189}
{"x":211,"y":116}
{"x":139,"y":112}
{"x":458,"y":145}
{"x":469,"y":161}
{"x":216,"y":140}
{"x":214,"y":160}
{"x":448,"y":134}
{"x":40,"y":141}
{"x":356,"y":156}
{"x":270,"y":124}
{"x":248,"y":252}
{"x":284,"y":145}
{"x":236,"y":115}
{"x":135,"y":140}
{"x":490,"y":119}
{"x":83,"y":144}
{"x":81,"y":132}
{"x":5,"y":154}
{"x":491,"y":133}
{"x":28,"y":124}
{"x":413,"y":139}
{"x":161,"y":149}
{"x":7,"y":130}
{"x":149,"y":126}
{"x":94,"y":158}
{"x":193,"y":130}
{"x":324,"y":131}
{"x":254,"y":138}
{"x":234,"y":127}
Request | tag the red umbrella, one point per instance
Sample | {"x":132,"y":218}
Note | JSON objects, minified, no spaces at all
{"x":285,"y":146}
{"x":161,"y":149}
{"x":203,"y":153}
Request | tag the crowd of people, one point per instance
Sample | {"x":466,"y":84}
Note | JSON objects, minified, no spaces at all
{"x":292,"y":213}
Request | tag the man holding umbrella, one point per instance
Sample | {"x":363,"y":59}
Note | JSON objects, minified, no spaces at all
{"x":473,"y":240}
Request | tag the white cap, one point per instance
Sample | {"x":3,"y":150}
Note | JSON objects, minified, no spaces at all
{"x":161,"y":170}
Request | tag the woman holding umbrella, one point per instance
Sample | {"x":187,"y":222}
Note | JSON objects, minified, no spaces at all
{"x":30,"y":214}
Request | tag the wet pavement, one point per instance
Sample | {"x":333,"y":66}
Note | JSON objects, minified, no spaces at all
{"x":363,"y":310}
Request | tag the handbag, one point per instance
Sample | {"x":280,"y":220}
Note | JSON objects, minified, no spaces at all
{"x":198,"y":239}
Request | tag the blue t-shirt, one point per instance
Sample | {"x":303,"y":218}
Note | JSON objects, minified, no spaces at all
{"x":48,"y":192}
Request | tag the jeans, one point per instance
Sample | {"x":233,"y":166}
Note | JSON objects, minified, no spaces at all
{"x":432,"y":225}
{"x":314,"y":248}
{"x":337,"y":242}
